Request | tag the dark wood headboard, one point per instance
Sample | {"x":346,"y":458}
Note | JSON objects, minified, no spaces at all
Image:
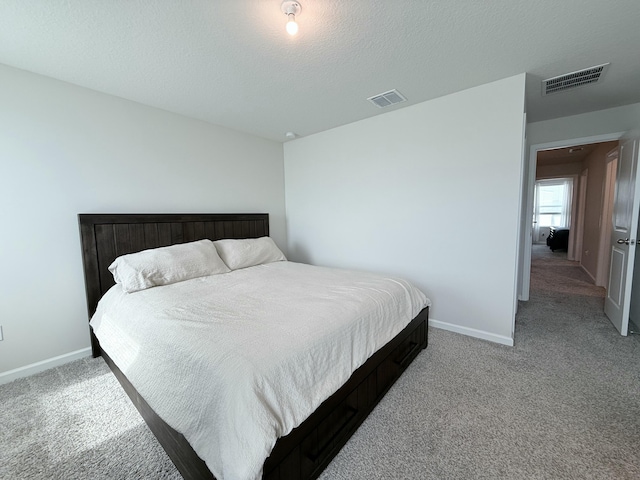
{"x":106,"y":236}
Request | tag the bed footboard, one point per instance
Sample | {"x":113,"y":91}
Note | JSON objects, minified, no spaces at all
{"x":308,"y":449}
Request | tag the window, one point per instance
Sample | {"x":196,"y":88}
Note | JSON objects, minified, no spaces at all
{"x":553,"y":202}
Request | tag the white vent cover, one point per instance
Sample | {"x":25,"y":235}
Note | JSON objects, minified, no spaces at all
{"x":387,"y":98}
{"x":574,"y":79}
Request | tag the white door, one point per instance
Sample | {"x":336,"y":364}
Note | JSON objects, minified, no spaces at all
{"x":623,"y":236}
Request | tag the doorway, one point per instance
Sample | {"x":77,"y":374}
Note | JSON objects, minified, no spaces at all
{"x":578,"y":181}
{"x":575,"y":159}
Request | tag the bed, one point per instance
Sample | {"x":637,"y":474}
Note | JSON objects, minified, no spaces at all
{"x":307,"y":449}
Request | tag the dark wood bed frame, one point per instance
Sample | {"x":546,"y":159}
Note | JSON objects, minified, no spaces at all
{"x":308,"y":449}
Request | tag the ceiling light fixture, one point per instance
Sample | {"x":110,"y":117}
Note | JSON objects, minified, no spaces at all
{"x":291,"y":8}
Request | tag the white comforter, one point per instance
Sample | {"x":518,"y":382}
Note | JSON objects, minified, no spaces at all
{"x":237,"y":360}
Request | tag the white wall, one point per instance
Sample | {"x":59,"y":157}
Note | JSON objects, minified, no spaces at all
{"x":420,"y":192}
{"x":611,"y":120}
{"x":66,"y":150}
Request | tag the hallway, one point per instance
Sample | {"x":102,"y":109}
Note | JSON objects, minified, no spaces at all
{"x":552,"y":272}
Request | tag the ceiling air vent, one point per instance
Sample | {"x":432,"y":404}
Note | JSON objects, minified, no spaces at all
{"x":387,"y":99}
{"x":574,"y":79}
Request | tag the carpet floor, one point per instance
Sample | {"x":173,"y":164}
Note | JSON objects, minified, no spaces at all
{"x":563,"y":403}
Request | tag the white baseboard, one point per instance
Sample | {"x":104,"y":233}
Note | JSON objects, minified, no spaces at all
{"x":593,"y":279}
{"x":38,"y":367}
{"x":472,"y":332}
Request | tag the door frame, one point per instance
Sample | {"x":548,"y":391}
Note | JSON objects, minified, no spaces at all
{"x":525,"y":279}
{"x":582,"y":198}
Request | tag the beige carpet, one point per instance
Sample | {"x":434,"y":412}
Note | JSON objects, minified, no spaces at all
{"x":552,"y":272}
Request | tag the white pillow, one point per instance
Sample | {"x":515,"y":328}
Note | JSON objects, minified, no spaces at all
{"x":248,"y":252}
{"x":165,"y":265}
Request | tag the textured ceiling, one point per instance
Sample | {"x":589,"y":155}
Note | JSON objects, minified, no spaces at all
{"x":231,"y":63}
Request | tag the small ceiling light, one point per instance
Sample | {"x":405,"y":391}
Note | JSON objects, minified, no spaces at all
{"x":291,"y":8}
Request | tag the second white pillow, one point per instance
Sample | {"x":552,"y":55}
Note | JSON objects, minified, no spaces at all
{"x":248,"y":252}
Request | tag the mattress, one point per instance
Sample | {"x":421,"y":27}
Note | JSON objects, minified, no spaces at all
{"x":235,"y":361}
